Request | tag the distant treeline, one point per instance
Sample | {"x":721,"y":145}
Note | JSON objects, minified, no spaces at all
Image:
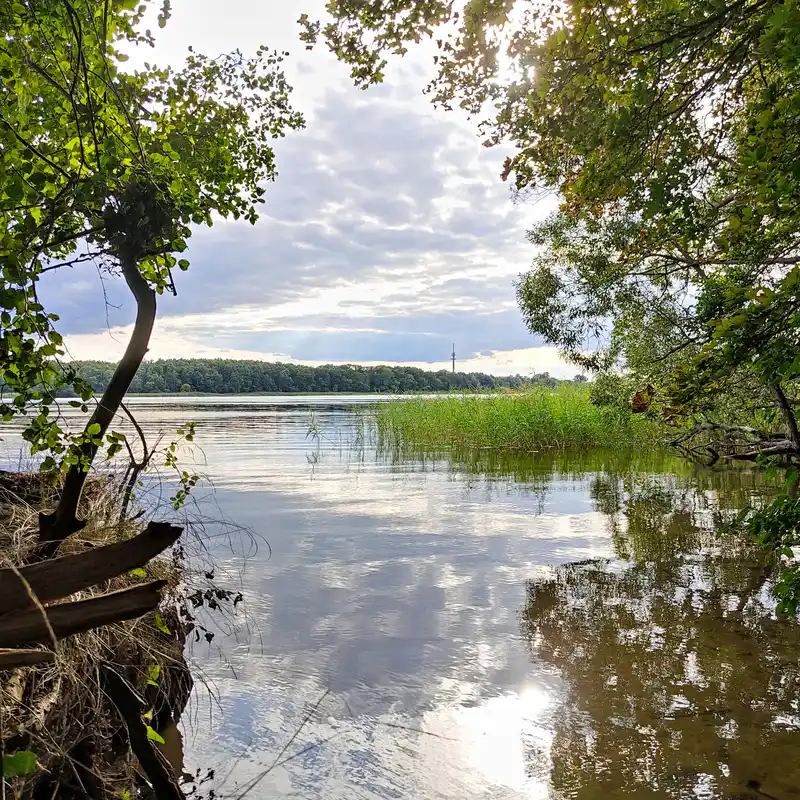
{"x":223,"y":376}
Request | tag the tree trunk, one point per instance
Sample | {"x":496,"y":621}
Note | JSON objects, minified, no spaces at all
{"x":63,"y":522}
{"x":793,"y":434}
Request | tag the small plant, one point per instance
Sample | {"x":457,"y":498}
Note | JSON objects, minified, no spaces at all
{"x":19,"y":764}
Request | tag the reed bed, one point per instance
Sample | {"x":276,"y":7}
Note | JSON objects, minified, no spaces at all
{"x":538,"y":419}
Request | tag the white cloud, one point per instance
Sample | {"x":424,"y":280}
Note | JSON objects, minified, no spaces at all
{"x":387,"y":235}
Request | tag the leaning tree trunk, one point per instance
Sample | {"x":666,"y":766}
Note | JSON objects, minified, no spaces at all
{"x":781,"y":401}
{"x":63,"y":522}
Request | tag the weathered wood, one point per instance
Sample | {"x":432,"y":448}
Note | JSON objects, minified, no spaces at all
{"x":61,"y":577}
{"x":66,"y":619}
{"x":130,"y":707}
{"x":11,"y":659}
{"x":772,"y":449}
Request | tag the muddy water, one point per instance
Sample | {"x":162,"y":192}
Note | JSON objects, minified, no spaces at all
{"x":469,"y":625}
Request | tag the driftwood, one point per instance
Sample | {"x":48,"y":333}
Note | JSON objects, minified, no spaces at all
{"x":781,"y":448}
{"x":740,"y":443}
{"x":66,"y":619}
{"x":11,"y":659}
{"x":130,"y":706}
{"x":61,"y":577}
{"x":21,"y":617}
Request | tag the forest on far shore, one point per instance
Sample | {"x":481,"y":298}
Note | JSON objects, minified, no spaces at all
{"x":229,"y":376}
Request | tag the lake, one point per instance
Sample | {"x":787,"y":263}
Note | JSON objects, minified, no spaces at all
{"x":473,"y":625}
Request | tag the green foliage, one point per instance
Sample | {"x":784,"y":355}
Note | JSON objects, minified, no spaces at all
{"x":226,"y":376}
{"x":18,"y":764}
{"x":776,"y":527}
{"x":612,"y":390}
{"x":669,"y":129}
{"x":539,"y":418}
{"x":153,"y":674}
{"x":161,"y":625}
{"x":102,"y":164}
{"x":186,"y":481}
{"x":365,"y":31}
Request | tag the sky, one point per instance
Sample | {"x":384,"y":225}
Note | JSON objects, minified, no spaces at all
{"x":387,"y":236}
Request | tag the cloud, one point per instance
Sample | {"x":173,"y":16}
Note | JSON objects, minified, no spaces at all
{"x":387,"y":235}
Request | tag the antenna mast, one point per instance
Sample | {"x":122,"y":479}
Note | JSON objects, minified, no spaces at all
{"x":453,"y":356}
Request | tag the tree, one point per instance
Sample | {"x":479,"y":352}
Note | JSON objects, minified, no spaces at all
{"x":226,"y":376}
{"x":580,"y":379}
{"x":99,"y":164}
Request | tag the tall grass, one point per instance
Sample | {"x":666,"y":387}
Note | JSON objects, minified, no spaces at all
{"x":537,"y":419}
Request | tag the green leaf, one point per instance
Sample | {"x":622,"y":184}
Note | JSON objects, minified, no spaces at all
{"x":139,"y":572}
{"x":153,"y":674}
{"x":15,"y":189}
{"x":159,"y":623}
{"x":23,"y":762}
{"x":154,"y":736}
{"x":93,"y":429}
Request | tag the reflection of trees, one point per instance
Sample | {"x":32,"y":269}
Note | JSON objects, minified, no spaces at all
{"x":653,"y":517}
{"x":679,"y":682}
{"x":678,"y":679}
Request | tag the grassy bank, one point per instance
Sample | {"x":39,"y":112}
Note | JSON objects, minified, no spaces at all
{"x":61,"y":733}
{"x":542,"y":418}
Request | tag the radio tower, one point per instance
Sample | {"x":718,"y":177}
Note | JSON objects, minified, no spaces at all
{"x":453,"y":356}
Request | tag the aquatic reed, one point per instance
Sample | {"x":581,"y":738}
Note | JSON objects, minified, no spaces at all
{"x":536,"y":419}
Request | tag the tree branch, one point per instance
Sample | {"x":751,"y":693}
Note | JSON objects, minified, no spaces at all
{"x":33,"y":149}
{"x":778,"y":449}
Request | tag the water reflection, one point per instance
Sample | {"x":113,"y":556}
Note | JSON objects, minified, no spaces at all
{"x":680,"y":681}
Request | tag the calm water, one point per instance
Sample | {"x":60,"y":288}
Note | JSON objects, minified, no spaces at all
{"x":476,"y":626}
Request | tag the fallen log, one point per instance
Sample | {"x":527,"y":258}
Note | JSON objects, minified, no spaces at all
{"x":66,"y":619}
{"x":61,"y":577}
{"x":782,"y":448}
